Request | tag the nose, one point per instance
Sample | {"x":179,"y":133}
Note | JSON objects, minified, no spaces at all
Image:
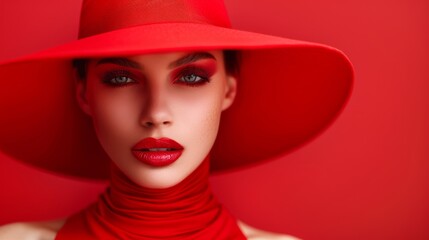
{"x":151,"y":124}
{"x":156,"y":110}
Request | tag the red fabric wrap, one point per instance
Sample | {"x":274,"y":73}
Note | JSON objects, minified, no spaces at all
{"x":126,"y":210}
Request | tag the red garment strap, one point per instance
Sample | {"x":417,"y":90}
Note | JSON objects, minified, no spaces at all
{"x":126,"y":210}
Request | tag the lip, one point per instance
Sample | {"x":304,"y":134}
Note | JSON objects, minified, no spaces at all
{"x":157,"y":152}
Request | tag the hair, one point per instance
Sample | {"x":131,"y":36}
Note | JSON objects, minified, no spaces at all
{"x":231,"y":59}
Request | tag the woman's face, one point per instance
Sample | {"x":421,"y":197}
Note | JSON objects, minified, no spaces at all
{"x":179,"y":96}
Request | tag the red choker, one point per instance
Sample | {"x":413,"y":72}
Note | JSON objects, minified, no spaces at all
{"x":187,"y":210}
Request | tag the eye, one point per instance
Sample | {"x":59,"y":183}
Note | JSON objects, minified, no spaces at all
{"x":121,"y":80}
{"x":118,"y":78}
{"x":193,"y":77}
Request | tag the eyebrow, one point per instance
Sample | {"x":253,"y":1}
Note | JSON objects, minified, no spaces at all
{"x":189,"y":58}
{"x":125,"y":62}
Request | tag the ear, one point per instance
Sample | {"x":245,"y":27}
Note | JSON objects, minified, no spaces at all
{"x":81,"y":96}
{"x":230,"y":91}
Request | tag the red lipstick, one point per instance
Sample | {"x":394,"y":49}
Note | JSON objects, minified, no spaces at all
{"x":157,"y":152}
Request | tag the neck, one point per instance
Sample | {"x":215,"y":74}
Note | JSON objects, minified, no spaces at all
{"x":187,"y":207}
{"x":187,"y":210}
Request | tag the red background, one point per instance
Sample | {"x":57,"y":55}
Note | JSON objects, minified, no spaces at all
{"x":366,"y":177}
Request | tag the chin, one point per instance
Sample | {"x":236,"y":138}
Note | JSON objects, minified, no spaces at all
{"x":158,"y":177}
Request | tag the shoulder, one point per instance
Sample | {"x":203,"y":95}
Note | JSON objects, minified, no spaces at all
{"x":252,"y":233}
{"x":31,"y":230}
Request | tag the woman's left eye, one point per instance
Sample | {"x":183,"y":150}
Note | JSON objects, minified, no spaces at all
{"x":191,"y":78}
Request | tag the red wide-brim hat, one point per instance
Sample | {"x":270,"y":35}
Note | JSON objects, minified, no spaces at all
{"x":288,"y":90}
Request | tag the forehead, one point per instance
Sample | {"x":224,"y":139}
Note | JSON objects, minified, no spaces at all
{"x":170,"y":60}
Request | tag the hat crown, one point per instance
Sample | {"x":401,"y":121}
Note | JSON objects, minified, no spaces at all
{"x":99,"y":16}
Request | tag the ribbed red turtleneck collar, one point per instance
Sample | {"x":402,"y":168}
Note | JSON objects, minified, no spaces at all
{"x":126,"y":210}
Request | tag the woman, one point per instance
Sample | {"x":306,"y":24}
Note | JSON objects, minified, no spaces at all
{"x":153,"y":81}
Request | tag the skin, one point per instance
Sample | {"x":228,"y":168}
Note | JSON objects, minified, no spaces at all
{"x":156,"y":102}
{"x":153,"y":101}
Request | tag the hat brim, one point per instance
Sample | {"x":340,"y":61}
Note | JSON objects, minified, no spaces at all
{"x":288,"y":92}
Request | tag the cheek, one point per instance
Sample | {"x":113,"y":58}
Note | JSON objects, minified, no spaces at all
{"x":204,"y":118}
{"x":113,"y":113}
{"x":201,"y":115}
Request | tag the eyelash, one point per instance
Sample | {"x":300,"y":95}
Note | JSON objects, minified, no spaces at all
{"x":178,"y":79}
{"x":192,"y":71}
{"x":109,"y":76}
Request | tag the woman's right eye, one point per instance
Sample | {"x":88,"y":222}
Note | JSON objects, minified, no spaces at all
{"x":118,"y":79}
{"x":121,"y":80}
